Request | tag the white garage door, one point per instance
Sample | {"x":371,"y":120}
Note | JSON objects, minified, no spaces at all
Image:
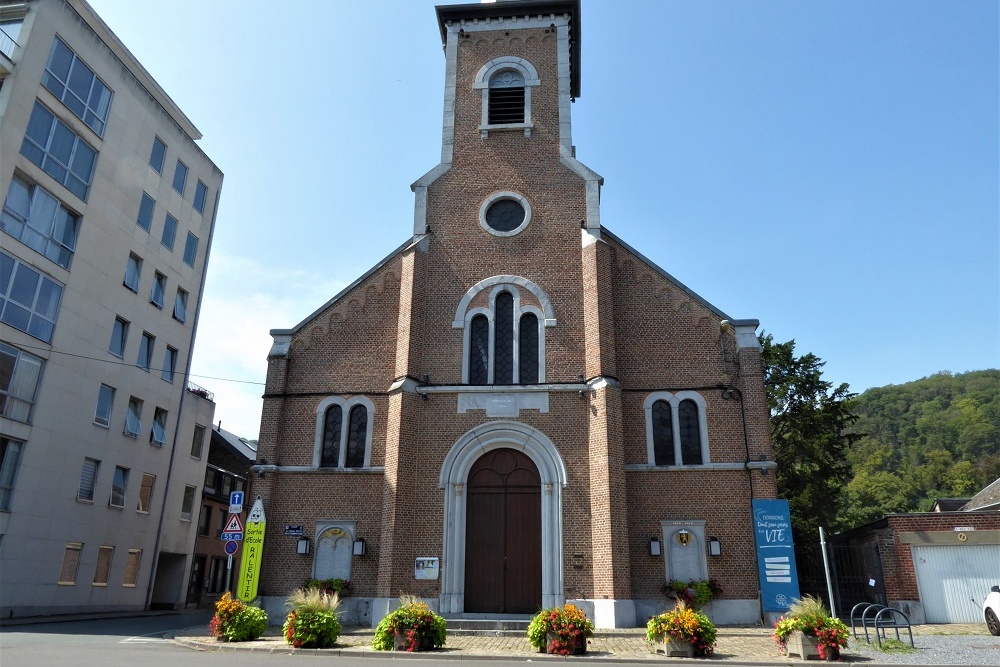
{"x":953,"y":580}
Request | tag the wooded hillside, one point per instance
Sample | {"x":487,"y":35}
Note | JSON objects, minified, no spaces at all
{"x":938,"y":437}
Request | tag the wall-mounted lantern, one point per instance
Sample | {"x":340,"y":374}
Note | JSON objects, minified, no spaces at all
{"x":359,"y":546}
{"x":714,"y":546}
{"x":654,"y":546}
{"x":302,"y":546}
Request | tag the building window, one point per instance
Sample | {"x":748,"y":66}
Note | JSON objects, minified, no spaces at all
{"x":169,"y":364}
{"x":132,"y":567}
{"x":19,"y":375}
{"x":676,"y":429}
{"x":133,"y":270}
{"x":88,"y":479}
{"x":64,"y":156}
{"x":119,"y":334}
{"x":133,"y":418}
{"x":105,"y":400}
{"x":217,"y":576}
{"x":169,"y":231}
{"x":104,"y":555}
{"x":29,"y":301}
{"x":145,"y":359}
{"x":180,"y":177}
{"x":146,"y":207}
{"x":157,"y":290}
{"x":505,"y":342}
{"x":187,"y":503}
{"x":205,"y":520}
{"x":190,"y":249}
{"x":40,"y":221}
{"x":10,"y":459}
{"x":180,"y":305}
{"x":200,"y":194}
{"x":343,"y":433}
{"x":157,"y":155}
{"x":506,"y":84}
{"x":145,"y":493}
{"x":69,"y":79}
{"x":70,"y":563}
{"x":197,"y":442}
{"x":118,"y":487}
{"x":223,"y":520}
{"x":158,"y":436}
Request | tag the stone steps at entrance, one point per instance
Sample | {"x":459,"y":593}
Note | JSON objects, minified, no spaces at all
{"x":506,"y":626}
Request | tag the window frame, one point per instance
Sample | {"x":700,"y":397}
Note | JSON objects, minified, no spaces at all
{"x":200,"y":196}
{"x":133,"y":266}
{"x":169,"y":235}
{"x":197,"y":441}
{"x":62,"y":172}
{"x":11,"y":450}
{"x":99,"y":115}
{"x":71,"y":561}
{"x":40,"y":324}
{"x":489,"y":311}
{"x":119,"y":488}
{"x":119,"y":337}
{"x":161,"y":158}
{"x":133,"y":418}
{"x":145,"y":493}
{"x":169,"y":364}
{"x":159,"y":427}
{"x":158,"y":290}
{"x":33,"y":220}
{"x":99,"y":420}
{"x":346,"y":405}
{"x":674,"y":399}
{"x":95,"y":470}
{"x":191,"y":249}
{"x":102,"y":571}
{"x":187,"y":502}
{"x":16,"y":403}
{"x":132,"y":562}
{"x":181,"y":299}
{"x":483,"y":78}
{"x":181,"y":171}
{"x":146,"y":342}
{"x":147,"y":210}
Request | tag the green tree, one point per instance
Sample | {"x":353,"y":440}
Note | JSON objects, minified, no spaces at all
{"x":810,"y":420}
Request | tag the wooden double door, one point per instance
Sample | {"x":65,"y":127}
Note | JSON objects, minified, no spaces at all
{"x":503,"y":548}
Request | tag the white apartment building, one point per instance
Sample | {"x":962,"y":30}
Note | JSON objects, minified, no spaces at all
{"x":109,"y":208}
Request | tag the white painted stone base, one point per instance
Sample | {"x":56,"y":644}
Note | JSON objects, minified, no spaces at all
{"x":722,"y":612}
{"x":608,"y":613}
{"x":378,"y":608}
{"x":353,"y":611}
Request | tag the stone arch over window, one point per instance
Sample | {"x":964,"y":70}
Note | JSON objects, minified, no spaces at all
{"x":676,"y":429}
{"x":506,"y":84}
{"x":504,"y":342}
{"x":454,"y":477}
{"x":343,"y":432}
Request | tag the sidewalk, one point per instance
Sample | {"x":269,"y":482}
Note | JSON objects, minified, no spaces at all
{"x":743,"y":644}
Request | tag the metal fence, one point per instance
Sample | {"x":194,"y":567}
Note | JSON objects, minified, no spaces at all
{"x":855,"y":574}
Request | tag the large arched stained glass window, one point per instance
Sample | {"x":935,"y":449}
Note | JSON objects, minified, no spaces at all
{"x":507,"y":348}
{"x":663,"y":434}
{"x":690,"y":429}
{"x":356,"y":437}
{"x":343,"y":432}
{"x":676,"y":429}
{"x":332,"y":423}
{"x":527,"y":364}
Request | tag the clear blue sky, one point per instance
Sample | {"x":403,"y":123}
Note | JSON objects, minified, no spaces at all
{"x":829,"y":168}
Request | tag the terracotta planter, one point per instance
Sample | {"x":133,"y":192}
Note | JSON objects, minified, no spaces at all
{"x":673,"y":648}
{"x":577,"y":647}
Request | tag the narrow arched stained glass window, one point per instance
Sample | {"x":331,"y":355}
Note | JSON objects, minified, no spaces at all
{"x":357,"y":433}
{"x":663,"y":434}
{"x":330,"y":457}
{"x":506,"y":103}
{"x":690,"y":432}
{"x":503,"y":355}
{"x":527,"y":366}
{"x":479,"y":350}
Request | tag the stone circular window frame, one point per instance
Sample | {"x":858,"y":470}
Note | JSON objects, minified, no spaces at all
{"x":497,"y":196}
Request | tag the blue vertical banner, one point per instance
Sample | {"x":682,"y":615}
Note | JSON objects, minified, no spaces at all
{"x":779,"y":581}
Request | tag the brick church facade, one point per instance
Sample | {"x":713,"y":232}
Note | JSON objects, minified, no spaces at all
{"x":515,"y":408}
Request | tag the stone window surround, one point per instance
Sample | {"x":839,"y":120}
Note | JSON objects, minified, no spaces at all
{"x":454,"y":478}
{"x":345,"y":405}
{"x":491,"y":316}
{"x":482,"y":82}
{"x":674,"y":399}
{"x":498,"y":196}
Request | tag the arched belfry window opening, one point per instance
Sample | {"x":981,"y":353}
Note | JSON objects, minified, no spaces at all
{"x":505,"y":342}
{"x":676,"y":430}
{"x":506,"y":98}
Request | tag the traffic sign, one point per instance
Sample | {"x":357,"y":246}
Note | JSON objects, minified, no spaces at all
{"x":231,"y":547}
{"x":228,"y":537}
{"x":234,"y":525}
{"x":235,"y":502}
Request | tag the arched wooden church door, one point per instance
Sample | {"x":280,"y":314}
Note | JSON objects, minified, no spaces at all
{"x":503,"y":532}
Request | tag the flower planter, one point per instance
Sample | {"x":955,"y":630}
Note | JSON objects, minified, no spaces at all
{"x":802,"y":645}
{"x":673,"y":648}
{"x":576,"y":645}
{"x":401,"y":642}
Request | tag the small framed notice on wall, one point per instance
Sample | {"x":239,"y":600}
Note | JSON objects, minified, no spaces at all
{"x":426,"y":567}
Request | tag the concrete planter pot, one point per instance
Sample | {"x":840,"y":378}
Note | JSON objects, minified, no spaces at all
{"x":672,"y":648}
{"x":803,"y":646}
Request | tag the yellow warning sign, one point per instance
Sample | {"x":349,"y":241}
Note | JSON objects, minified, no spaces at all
{"x":253,"y":549}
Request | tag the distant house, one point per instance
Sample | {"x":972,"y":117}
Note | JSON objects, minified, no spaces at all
{"x":936,"y":566}
{"x":949,"y":504}
{"x":212,"y":571}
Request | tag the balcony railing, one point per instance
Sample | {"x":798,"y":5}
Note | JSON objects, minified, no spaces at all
{"x":200,"y":391}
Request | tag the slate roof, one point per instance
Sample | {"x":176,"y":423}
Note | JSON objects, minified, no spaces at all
{"x":987,"y":499}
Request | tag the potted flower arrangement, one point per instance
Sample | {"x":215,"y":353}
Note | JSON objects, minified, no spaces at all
{"x":809,"y":631}
{"x":681,"y":632}
{"x":695,"y":593}
{"x":236,"y":622}
{"x":341,"y":587}
{"x":561,"y":630}
{"x":411,"y":627}
{"x":312,"y":618}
